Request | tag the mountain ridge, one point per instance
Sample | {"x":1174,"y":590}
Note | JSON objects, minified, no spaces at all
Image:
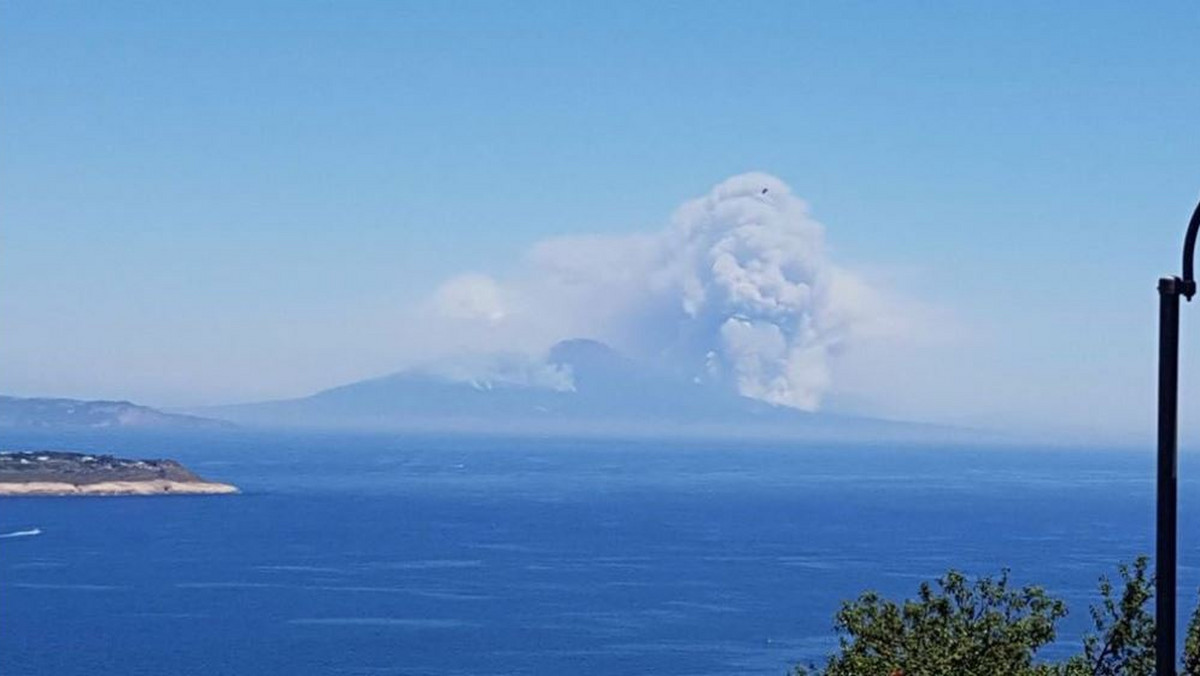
{"x":61,"y":413}
{"x":608,"y":394}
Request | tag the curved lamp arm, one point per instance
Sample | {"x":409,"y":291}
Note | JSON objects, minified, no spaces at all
{"x":1189,"y":255}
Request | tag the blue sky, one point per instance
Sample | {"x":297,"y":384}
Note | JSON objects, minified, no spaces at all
{"x":228,"y":201}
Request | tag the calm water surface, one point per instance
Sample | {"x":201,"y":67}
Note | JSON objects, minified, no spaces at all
{"x":427,"y":556}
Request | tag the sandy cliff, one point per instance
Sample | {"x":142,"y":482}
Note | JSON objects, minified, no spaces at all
{"x":64,"y":473}
{"x":153,"y":487}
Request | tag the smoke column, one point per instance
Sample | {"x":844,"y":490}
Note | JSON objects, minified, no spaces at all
{"x":737,"y":290}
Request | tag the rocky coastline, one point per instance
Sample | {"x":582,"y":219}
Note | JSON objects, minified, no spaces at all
{"x":61,"y":473}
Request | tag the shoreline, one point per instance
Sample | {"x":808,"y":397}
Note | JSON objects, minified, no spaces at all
{"x":114,"y":488}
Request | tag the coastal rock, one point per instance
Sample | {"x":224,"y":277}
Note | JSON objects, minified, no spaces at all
{"x":29,"y":473}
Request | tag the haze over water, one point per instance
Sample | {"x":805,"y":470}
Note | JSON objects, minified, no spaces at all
{"x":446,"y":556}
{"x":842,"y":221}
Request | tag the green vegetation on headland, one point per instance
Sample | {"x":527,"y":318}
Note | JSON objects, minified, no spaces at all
{"x":27,"y":473}
{"x":959,"y":627}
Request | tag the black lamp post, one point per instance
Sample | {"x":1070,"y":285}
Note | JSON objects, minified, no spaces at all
{"x":1169,"y":291}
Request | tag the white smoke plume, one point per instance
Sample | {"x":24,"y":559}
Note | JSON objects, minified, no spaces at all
{"x":485,"y":371}
{"x":738,"y":289}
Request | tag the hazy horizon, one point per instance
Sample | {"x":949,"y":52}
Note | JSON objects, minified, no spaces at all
{"x":609,"y":338}
{"x":966,"y":208}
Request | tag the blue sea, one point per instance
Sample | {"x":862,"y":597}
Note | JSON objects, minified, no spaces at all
{"x":445,"y":556}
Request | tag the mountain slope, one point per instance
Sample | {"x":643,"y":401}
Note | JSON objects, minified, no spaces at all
{"x":39,"y":413}
{"x":610,"y":394}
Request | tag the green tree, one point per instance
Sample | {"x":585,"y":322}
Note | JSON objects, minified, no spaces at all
{"x":1123,"y":642}
{"x":1191,"y":646}
{"x":986,"y":628}
{"x":957,"y":627}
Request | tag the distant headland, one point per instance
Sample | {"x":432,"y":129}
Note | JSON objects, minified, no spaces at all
{"x":63,"y":473}
{"x":73,"y":414}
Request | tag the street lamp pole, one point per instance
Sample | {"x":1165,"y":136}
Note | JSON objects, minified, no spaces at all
{"x":1169,"y":291}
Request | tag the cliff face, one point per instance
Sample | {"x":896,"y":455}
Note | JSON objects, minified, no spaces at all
{"x":62,"y":473}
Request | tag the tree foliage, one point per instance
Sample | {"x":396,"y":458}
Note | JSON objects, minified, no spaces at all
{"x":1122,"y":643}
{"x":952,"y":627}
{"x":986,"y":627}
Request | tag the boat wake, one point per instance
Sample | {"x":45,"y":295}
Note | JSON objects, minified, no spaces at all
{"x":21,"y":533}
